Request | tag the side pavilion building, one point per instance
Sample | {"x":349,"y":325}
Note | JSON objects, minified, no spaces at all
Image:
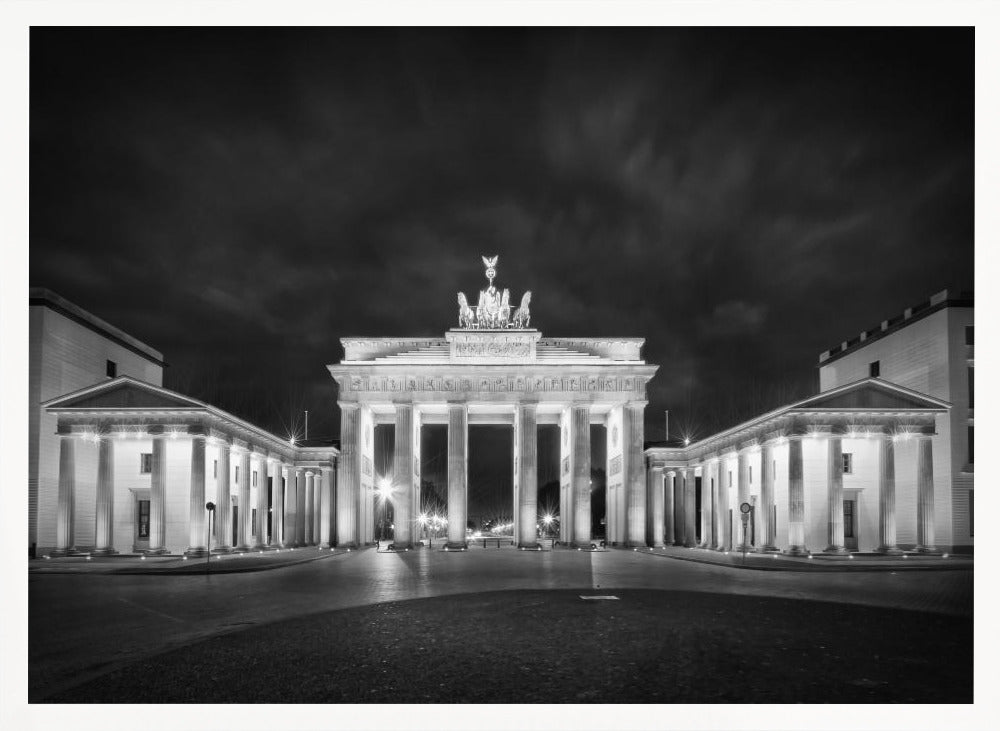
{"x":850,"y":469}
{"x":138,"y":463}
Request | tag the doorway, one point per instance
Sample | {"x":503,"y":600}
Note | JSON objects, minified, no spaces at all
{"x":851,"y":523}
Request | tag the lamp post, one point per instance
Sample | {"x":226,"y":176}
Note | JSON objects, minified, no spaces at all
{"x":210,"y":507}
{"x":547,"y":520}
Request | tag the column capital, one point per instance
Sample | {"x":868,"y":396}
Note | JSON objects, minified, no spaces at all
{"x":348,"y":405}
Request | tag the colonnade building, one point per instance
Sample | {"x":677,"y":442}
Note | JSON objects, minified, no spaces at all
{"x":865,"y":465}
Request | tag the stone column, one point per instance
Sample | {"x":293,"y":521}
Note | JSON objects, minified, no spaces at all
{"x":308,"y":521}
{"x":566,"y":476}
{"x":690,"y":535}
{"x":197,"y":532}
{"x":157,"y":497}
{"x":260,"y":540}
{"x":349,"y":478}
{"x":925,"y":495}
{"x":402,"y":487}
{"x":325,"y":482}
{"x":706,"y":506}
{"x":291,"y":501}
{"x":244,"y":512}
{"x":835,"y":495}
{"x":278,"y":507}
{"x":317,"y":506}
{"x":301,"y":489}
{"x":655,"y":499}
{"x":65,"y":518}
{"x":223,"y":503}
{"x":458,"y":472}
{"x":634,"y":472}
{"x":796,"y":498}
{"x":725,"y":521}
{"x":104,"y":543}
{"x":668,"y":508}
{"x":680,"y":493}
{"x":887,"y":497}
{"x":527,"y":468}
{"x":767,"y":499}
{"x":743,"y":496}
{"x":580,"y":414}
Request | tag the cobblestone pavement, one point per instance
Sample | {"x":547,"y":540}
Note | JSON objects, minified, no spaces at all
{"x":83,"y":625}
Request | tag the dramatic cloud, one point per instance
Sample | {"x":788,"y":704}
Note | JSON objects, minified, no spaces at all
{"x":743,"y":199}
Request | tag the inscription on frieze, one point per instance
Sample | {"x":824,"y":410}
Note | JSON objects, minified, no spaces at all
{"x":491,"y":384}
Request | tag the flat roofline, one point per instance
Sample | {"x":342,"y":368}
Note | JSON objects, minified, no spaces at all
{"x":935,"y":303}
{"x":42,"y":297}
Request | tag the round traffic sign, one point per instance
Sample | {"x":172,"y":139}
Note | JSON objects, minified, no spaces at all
{"x":745,"y":507}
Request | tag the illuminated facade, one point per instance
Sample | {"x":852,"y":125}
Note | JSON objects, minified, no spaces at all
{"x":871,"y":463}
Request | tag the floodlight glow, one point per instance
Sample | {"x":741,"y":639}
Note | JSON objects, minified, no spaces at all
{"x":687,"y":441}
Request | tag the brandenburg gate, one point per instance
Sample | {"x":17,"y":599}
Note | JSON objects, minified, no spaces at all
{"x":493,"y":369}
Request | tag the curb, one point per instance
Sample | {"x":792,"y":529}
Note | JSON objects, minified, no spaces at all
{"x":818,"y":567}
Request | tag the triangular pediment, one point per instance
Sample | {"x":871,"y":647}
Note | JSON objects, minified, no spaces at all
{"x":871,"y":394}
{"x":123,"y":393}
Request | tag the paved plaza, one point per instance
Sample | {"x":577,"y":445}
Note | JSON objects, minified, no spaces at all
{"x":86,"y":625}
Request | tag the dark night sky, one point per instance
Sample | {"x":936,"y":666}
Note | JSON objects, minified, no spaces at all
{"x":743,"y":199}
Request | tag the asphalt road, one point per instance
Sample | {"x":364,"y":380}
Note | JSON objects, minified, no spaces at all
{"x":82,"y":626}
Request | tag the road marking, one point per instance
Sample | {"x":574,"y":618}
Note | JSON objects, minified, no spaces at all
{"x":151,"y":611}
{"x":599,"y":596}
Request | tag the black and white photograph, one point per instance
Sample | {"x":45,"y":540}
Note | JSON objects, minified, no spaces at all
{"x":520,"y":373}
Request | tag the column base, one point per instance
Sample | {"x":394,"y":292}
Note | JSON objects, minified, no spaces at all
{"x":586,"y":546}
{"x":635,"y":544}
{"x":658,"y":544}
{"x":326,"y":544}
{"x":837,"y":550}
{"x":196,"y":552}
{"x":104,"y":552}
{"x":770,"y":549}
{"x":797,"y":551}
{"x":347,"y":545}
{"x":157,"y":552}
{"x":60,"y":552}
{"x":222,"y":549}
{"x":889,"y":550}
{"x":528,"y":544}
{"x":927,"y":549}
{"x":456,"y":545}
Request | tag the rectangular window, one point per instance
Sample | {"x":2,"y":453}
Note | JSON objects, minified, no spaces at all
{"x":253,"y":521}
{"x":848,"y":463}
{"x":111,"y":369}
{"x":143,"y":519}
{"x":874,"y":369}
{"x":848,"y":519}
{"x":215,"y":469}
{"x":255,"y":478}
{"x":750,"y":474}
{"x":145,"y":463}
{"x":237,"y":480}
{"x":970,"y":335}
{"x":972,"y":380}
{"x":972,"y":513}
{"x":971,"y":443}
{"x":730,"y":478}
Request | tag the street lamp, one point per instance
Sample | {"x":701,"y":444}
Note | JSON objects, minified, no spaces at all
{"x":547,"y":519}
{"x":210,"y":507}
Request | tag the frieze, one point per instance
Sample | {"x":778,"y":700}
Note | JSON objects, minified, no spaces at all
{"x":494,"y":384}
